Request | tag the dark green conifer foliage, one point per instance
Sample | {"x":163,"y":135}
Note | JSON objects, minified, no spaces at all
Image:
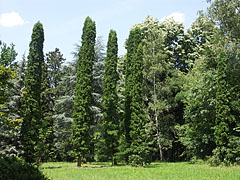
{"x":110,"y":98}
{"x":82,"y":114}
{"x":46,"y":134}
{"x":31,"y":103}
{"x":134,"y":114}
{"x":139,"y":147}
{"x":132,"y":44}
{"x":224,"y":118}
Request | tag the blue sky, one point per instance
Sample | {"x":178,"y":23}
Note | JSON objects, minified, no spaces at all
{"x":63,"y":19}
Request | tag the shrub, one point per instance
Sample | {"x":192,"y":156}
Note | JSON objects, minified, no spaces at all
{"x":13,"y":168}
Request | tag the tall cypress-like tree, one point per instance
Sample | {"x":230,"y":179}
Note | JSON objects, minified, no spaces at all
{"x":139,"y":147}
{"x":110,"y":98}
{"x":132,"y":44}
{"x":134,"y":114}
{"x":224,"y":117}
{"x":31,"y":102}
{"x":82,"y":114}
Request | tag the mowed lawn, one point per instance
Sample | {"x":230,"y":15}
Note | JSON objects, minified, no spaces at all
{"x":156,"y":171}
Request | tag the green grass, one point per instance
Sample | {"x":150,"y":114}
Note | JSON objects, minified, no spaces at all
{"x":156,"y":171}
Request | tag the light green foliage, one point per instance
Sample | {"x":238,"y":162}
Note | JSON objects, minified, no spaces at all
{"x":82,"y":115}
{"x":225,"y":13}
{"x":199,"y":98}
{"x":7,"y":55}
{"x":163,"y":64}
{"x":31,"y":102}
{"x":199,"y":90}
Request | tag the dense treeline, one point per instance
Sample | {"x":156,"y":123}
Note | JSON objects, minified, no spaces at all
{"x":174,"y":96}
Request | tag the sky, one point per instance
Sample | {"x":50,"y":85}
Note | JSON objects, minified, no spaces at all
{"x":63,"y":19}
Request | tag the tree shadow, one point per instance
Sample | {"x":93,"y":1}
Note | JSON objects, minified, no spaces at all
{"x":51,"y":167}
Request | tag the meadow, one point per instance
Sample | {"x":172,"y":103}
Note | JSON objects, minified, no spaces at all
{"x":155,"y":171}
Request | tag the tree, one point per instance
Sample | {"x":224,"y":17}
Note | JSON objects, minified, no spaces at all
{"x":97,"y":145}
{"x":82,"y":114}
{"x":9,"y":126}
{"x":8,"y":55}
{"x":46,"y":132}
{"x":139,"y":146}
{"x":225,"y":13}
{"x":132,"y":43}
{"x":110,"y":98}
{"x":164,"y":60}
{"x":199,"y":90}
{"x":63,"y":110}
{"x":135,"y":135}
{"x":54,"y":60}
{"x":51,"y":77}
{"x":31,"y":103}
{"x":224,"y":118}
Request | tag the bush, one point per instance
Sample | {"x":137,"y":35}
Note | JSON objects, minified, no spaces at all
{"x":195,"y":160}
{"x":137,"y":160}
{"x":13,"y":168}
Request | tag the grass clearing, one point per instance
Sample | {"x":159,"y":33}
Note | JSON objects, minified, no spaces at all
{"x":156,"y":171}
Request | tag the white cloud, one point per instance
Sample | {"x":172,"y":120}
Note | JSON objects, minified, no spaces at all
{"x":176,"y":16}
{"x":11,"y":19}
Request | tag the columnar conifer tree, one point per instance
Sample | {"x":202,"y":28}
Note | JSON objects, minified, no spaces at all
{"x":110,"y":98}
{"x":83,"y":93}
{"x":224,"y":118}
{"x":31,"y":103}
{"x":139,"y":146}
{"x":132,"y":44}
{"x":134,"y":114}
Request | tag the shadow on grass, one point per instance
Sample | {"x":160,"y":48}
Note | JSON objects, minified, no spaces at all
{"x":52,"y":167}
{"x":104,"y":164}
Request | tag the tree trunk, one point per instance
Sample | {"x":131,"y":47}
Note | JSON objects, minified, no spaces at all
{"x":156,"y":119}
{"x":114,"y":161}
{"x":79,"y":162}
{"x":160,"y":152}
{"x":39,"y":160}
